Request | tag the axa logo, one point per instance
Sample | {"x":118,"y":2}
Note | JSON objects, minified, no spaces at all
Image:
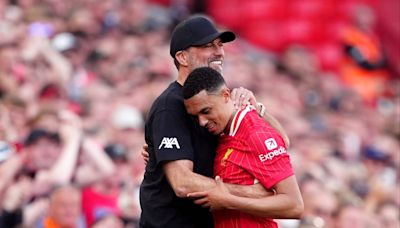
{"x":271,"y":144}
{"x":169,"y":143}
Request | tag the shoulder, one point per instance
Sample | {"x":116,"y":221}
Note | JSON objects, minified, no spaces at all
{"x":257,"y":129}
{"x":252,"y":123}
{"x":171,"y":99}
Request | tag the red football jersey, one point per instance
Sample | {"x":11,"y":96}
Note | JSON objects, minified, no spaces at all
{"x":252,"y":152}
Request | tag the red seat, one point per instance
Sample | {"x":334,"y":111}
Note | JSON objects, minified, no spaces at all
{"x":311,"y":9}
{"x":225,"y":14}
{"x":262,"y":10}
{"x":329,"y":55}
{"x":268,"y":35}
{"x":303,"y":31}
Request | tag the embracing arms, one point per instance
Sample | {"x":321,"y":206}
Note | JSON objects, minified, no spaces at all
{"x":183,"y":180}
{"x":285,"y":203}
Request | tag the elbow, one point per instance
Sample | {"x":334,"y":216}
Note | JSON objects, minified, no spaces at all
{"x":181,"y":191}
{"x":297,"y":210}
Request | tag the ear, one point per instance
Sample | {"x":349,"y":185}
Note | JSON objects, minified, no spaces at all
{"x":226,"y":93}
{"x":181,"y":57}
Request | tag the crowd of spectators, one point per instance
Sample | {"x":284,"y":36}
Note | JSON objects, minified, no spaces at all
{"x":78,"y":77}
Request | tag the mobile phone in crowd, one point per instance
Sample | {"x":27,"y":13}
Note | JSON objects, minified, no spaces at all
{"x":40,"y":29}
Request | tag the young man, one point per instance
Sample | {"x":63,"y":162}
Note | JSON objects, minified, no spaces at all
{"x":249,"y":151}
{"x":181,"y":153}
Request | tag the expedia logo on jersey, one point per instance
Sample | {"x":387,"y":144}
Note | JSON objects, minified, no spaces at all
{"x":272,"y":154}
{"x":169,"y":143}
{"x":271,"y":144}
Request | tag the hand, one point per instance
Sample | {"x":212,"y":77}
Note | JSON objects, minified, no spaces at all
{"x":17,"y":195}
{"x":241,"y":97}
{"x":71,"y":126}
{"x":145,"y":153}
{"x":216,"y":198}
{"x":33,"y":211}
{"x":88,"y":144}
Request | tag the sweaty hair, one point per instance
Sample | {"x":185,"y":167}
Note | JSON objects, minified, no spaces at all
{"x":203,"y":78}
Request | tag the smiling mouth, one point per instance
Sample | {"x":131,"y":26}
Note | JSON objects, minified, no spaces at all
{"x":211,"y":128}
{"x":216,"y":62}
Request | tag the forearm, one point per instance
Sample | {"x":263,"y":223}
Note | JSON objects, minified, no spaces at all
{"x":250,"y":191}
{"x":9,"y":169}
{"x":286,"y":203}
{"x":103,"y":163}
{"x":62,"y":170}
{"x":196,"y":183}
{"x":192,"y":182}
{"x":183,"y":180}
{"x":32,"y":212}
{"x":58,"y":62}
{"x":279,"y":206}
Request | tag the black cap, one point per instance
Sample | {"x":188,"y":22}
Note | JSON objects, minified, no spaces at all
{"x":196,"y":31}
{"x":116,"y":152}
{"x":375,"y":154}
{"x":37,"y":134}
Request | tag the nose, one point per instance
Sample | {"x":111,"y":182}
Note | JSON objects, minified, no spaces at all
{"x":219,"y":49}
{"x":202,"y":121}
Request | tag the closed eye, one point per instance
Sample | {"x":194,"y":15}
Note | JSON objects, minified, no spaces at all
{"x":216,"y":43}
{"x":205,"y":111}
{"x":207,"y":45}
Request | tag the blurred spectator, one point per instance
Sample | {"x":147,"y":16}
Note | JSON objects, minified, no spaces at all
{"x":389,"y":215}
{"x":364,"y":67}
{"x":351,"y":216}
{"x":108,"y":220}
{"x":64,"y":209}
{"x":320,"y":202}
{"x":43,"y":148}
{"x":103,"y":196}
{"x":77,"y":79}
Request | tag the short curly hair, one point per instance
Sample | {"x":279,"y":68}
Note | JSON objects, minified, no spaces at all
{"x":203,"y":78}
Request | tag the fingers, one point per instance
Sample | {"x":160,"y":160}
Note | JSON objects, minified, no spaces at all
{"x":202,"y":201}
{"x":243,"y":100}
{"x":220,"y":184}
{"x":241,"y":97}
{"x":218,"y":179}
{"x":195,"y":195}
{"x":252,"y":99}
{"x":145,"y":153}
{"x":238,"y":96}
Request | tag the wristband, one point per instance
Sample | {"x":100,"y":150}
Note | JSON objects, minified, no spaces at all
{"x":262,"y":109}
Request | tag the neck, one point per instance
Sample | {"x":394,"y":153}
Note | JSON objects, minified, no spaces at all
{"x":228,"y":125}
{"x":182,"y":75}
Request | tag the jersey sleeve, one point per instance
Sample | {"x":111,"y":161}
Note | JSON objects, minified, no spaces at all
{"x":171,"y":134}
{"x":269,"y":161}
